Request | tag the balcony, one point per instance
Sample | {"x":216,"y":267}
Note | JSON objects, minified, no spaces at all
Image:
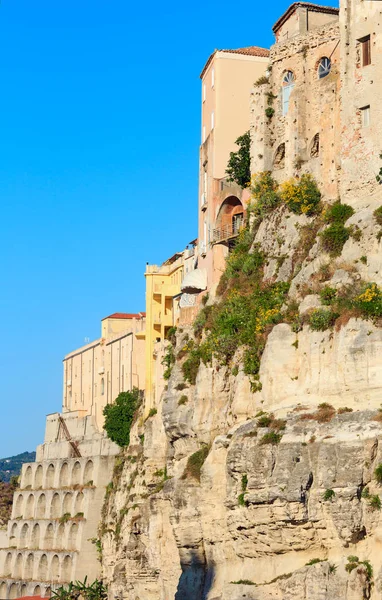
{"x":227,"y":232}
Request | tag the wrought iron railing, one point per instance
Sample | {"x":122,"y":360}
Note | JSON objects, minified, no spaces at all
{"x":227,"y":231}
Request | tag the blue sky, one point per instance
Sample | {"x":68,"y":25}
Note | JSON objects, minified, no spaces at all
{"x":99,"y":134}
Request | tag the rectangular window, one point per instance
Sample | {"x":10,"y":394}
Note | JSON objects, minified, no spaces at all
{"x":212,"y":120}
{"x":365,"y":116}
{"x":212,"y":77}
{"x":204,"y":92}
{"x":365,"y":51}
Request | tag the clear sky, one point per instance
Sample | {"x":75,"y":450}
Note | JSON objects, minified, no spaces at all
{"x":99,"y":135}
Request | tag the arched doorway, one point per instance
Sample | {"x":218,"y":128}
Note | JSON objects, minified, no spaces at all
{"x":229,"y":221}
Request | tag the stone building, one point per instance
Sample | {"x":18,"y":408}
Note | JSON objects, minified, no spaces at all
{"x":227,"y":79}
{"x":95,"y":374}
{"x":295,"y":111}
{"x":57,"y":508}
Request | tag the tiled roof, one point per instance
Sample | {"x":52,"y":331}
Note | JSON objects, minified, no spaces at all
{"x":313,"y":7}
{"x":125,"y":316}
{"x":249,"y":51}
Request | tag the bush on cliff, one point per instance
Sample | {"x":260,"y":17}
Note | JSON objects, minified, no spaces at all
{"x":119,"y":416}
{"x":239,"y":168}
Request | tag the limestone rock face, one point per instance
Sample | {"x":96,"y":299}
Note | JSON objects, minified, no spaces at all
{"x":219,"y":501}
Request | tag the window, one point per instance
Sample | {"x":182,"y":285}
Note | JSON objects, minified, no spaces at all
{"x":279,"y":160}
{"x":102,"y":386}
{"x":204,"y":133}
{"x":204,"y":92}
{"x":324,"y":67}
{"x":212,"y":77}
{"x":212,"y":120}
{"x":365,"y":51}
{"x":365,"y":116}
{"x":315,"y":146}
{"x":288,"y":85}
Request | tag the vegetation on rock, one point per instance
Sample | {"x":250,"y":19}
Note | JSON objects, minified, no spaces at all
{"x":239,"y":168}
{"x":195,"y":463}
{"x":119,"y":416}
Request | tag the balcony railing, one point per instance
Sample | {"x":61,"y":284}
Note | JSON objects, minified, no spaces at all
{"x":231,"y":230}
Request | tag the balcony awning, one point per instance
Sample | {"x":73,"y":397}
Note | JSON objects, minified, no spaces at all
{"x":194,"y":281}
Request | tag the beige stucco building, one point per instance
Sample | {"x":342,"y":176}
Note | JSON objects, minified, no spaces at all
{"x":227,"y":79}
{"x":95,"y":374}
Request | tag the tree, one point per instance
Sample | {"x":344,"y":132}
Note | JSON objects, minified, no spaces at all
{"x":239,"y":167}
{"x":119,"y":416}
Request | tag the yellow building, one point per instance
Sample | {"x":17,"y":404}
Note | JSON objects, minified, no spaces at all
{"x":163,"y":301}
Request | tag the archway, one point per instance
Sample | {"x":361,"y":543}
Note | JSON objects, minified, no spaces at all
{"x":8,"y":565}
{"x":64,"y":475}
{"x":13,"y":591}
{"x":14,"y":536}
{"x":230,"y":219}
{"x":19,"y":506}
{"x":72,"y":540}
{"x":24,"y":536}
{"x":79,"y":504}
{"x":3,"y":590}
{"x":37,"y":591}
{"x":55,"y":568}
{"x":66,"y":568}
{"x":36,"y":537}
{"x":76,"y":473}
{"x":18,"y":570}
{"x":67,"y":504}
{"x":41,"y":507}
{"x":55,"y":507}
{"x":60,"y":537}
{"x":24,"y":590}
{"x":38,"y":477}
{"x":29,"y":509}
{"x":28,"y":477}
{"x":29,"y":564}
{"x":49,"y":478}
{"x":88,"y":474}
{"x":43,"y":568}
{"x":49,"y":537}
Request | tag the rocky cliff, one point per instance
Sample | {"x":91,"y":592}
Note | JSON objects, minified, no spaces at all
{"x":264,"y":482}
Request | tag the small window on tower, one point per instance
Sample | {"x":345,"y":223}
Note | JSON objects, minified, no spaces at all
{"x":365,"y":51}
{"x":365,"y":116}
{"x":324,"y":67}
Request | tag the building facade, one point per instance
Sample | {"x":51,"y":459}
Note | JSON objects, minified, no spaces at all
{"x":227,"y":79}
{"x":95,"y":374}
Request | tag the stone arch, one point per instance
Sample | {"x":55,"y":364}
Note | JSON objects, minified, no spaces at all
{"x":49,"y":477}
{"x":76,"y":473}
{"x":60,"y":537}
{"x":29,"y":507}
{"x":13,"y":534}
{"x":315,"y":146}
{"x":38,"y":477}
{"x":24,"y":536}
{"x":28,"y":569}
{"x":28,"y":476}
{"x":37,"y":591}
{"x":41,"y":507}
{"x":88,"y":473}
{"x":8,"y":564}
{"x":49,"y":537}
{"x":67,"y":503}
{"x":24,"y":590}
{"x":55,"y":568}
{"x":13,"y":593}
{"x":35,"y":541}
{"x":64,"y":475}
{"x":18,"y":569}
{"x":230,"y":218}
{"x":66,"y":570}
{"x":79,"y":504}
{"x":19,"y":506}
{"x":55,"y":507}
{"x":72,"y":539}
{"x":48,"y":592}
{"x":279,"y":159}
{"x":43,"y":568}
{"x":3,"y":590}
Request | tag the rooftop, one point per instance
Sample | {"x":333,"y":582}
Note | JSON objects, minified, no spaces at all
{"x":125,"y":316}
{"x":248,"y":51}
{"x":313,"y":7}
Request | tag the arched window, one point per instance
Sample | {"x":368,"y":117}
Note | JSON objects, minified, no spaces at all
{"x":315,"y":146}
{"x":324,"y":67}
{"x":102,"y":386}
{"x":279,"y":160}
{"x":288,"y":85}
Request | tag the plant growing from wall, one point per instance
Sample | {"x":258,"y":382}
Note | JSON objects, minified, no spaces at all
{"x":302,"y":195}
{"x":322,"y":319}
{"x":238,"y":168}
{"x":369,"y":302}
{"x":119,"y":416}
{"x":168,"y":361}
{"x":265,"y":194}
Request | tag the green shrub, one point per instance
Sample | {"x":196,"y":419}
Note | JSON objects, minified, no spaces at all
{"x":344,"y":409}
{"x":264,"y":192}
{"x":369,"y":301}
{"x":243,"y":582}
{"x":322,"y":319}
{"x":269,"y":112}
{"x":328,"y":295}
{"x":314,"y":561}
{"x":338,"y":213}
{"x":238,"y":167}
{"x":195,"y":463}
{"x":119,"y":416}
{"x":235,"y":371}
{"x":244,"y":482}
{"x":241,"y":500}
{"x":152,"y":413}
{"x":182,"y":400}
{"x":65,"y":518}
{"x":375,"y":502}
{"x":329,"y":495}
{"x":378,"y":473}
{"x":265,"y":420}
{"x":171,"y":335}
{"x":191,"y":365}
{"x":363,"y":260}
{"x":168,"y":361}
{"x":181,"y":386}
{"x":302,"y":195}
{"x":378,"y":215}
{"x":365,"y":493}
{"x":334,"y":237}
{"x":271,"y":438}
